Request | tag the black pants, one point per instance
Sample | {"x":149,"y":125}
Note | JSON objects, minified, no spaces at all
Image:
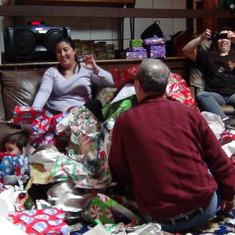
{"x":95,"y":106}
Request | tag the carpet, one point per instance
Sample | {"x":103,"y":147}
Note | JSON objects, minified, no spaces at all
{"x":220,"y":224}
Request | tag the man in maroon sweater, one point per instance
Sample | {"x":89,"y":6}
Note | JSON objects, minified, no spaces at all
{"x":169,"y":156}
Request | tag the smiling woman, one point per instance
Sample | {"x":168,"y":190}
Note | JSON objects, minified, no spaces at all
{"x":218,"y":70}
{"x":69,"y":83}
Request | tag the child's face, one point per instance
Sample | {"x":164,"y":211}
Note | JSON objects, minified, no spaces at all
{"x":11,"y":148}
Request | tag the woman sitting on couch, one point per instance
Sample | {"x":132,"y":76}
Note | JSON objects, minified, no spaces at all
{"x":218,"y":65}
{"x":69,"y":83}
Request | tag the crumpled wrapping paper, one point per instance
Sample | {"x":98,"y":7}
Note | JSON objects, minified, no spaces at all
{"x":14,"y":165}
{"x":105,"y":209}
{"x":43,"y":124}
{"x":225,"y":137}
{"x":74,"y":165}
{"x":215,"y":123}
{"x":178,"y":89}
{"x":41,"y":221}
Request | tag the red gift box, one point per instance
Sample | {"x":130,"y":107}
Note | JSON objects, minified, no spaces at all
{"x":26,"y":115}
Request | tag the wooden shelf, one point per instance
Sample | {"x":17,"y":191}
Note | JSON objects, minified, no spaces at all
{"x":76,"y":11}
{"x":103,"y":3}
{"x":178,"y":65}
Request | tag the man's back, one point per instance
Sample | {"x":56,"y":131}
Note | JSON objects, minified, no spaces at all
{"x":162,"y":147}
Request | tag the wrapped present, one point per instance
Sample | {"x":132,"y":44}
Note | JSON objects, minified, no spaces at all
{"x":136,"y":43}
{"x":134,"y":55}
{"x":41,"y":221}
{"x":154,"y":41}
{"x":136,"y":49}
{"x":158,"y":51}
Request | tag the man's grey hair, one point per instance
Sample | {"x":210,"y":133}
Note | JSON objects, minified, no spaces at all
{"x":153,"y":76}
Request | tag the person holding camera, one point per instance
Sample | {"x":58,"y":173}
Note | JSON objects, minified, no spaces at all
{"x":218,"y":67}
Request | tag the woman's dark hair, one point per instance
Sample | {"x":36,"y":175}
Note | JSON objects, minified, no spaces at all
{"x":20,"y":139}
{"x":214,"y":46}
{"x":69,"y":41}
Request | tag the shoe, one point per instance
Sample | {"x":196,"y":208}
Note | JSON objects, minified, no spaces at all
{"x":226,"y":122}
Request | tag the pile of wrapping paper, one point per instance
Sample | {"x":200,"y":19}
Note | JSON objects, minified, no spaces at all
{"x":57,"y":188}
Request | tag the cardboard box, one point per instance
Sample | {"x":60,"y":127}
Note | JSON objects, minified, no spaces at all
{"x":84,"y":47}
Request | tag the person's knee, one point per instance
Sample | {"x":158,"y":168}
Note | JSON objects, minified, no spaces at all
{"x":231,"y":101}
{"x":201,"y":95}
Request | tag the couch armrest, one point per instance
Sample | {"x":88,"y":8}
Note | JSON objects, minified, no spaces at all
{"x":18,"y":88}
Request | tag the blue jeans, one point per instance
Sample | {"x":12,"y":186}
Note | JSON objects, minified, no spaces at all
{"x":211,"y":101}
{"x":188,"y":223}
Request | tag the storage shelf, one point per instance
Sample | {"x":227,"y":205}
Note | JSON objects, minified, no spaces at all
{"x":76,"y":11}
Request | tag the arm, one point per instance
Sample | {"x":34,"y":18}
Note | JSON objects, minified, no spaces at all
{"x":99,"y":75}
{"x":190,"y":49}
{"x":45,"y":90}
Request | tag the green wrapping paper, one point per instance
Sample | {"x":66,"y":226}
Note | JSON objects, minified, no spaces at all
{"x":76,"y":166}
{"x":112,"y":111}
{"x":103,"y":208}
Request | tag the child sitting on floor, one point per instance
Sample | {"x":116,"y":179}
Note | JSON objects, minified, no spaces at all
{"x":15,"y":142}
{"x":12,"y":161}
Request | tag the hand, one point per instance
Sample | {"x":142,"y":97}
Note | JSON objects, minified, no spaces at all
{"x":89,"y":63}
{"x":227,"y":206}
{"x":84,"y":144}
{"x":206,"y":35}
{"x":231,"y":36}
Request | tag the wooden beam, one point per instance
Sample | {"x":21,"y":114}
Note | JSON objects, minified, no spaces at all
{"x":34,"y":2}
{"x":75,"y":11}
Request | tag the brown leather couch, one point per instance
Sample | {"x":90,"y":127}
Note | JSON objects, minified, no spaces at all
{"x":19,"y":87}
{"x":16,"y":88}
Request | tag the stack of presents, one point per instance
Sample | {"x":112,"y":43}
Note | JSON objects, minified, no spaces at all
{"x":154,"y":47}
{"x":147,"y":48}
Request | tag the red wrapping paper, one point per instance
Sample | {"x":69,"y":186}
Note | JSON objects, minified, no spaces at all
{"x":40,"y":222}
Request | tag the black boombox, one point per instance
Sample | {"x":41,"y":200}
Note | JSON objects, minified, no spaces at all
{"x":32,"y":42}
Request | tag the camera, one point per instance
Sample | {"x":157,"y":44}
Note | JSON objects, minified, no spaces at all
{"x":217,"y":36}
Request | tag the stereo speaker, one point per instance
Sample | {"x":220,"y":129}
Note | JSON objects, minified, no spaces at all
{"x":32,"y":42}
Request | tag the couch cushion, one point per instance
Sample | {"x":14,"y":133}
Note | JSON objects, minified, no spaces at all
{"x":2,"y":112}
{"x":18,"y":88}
